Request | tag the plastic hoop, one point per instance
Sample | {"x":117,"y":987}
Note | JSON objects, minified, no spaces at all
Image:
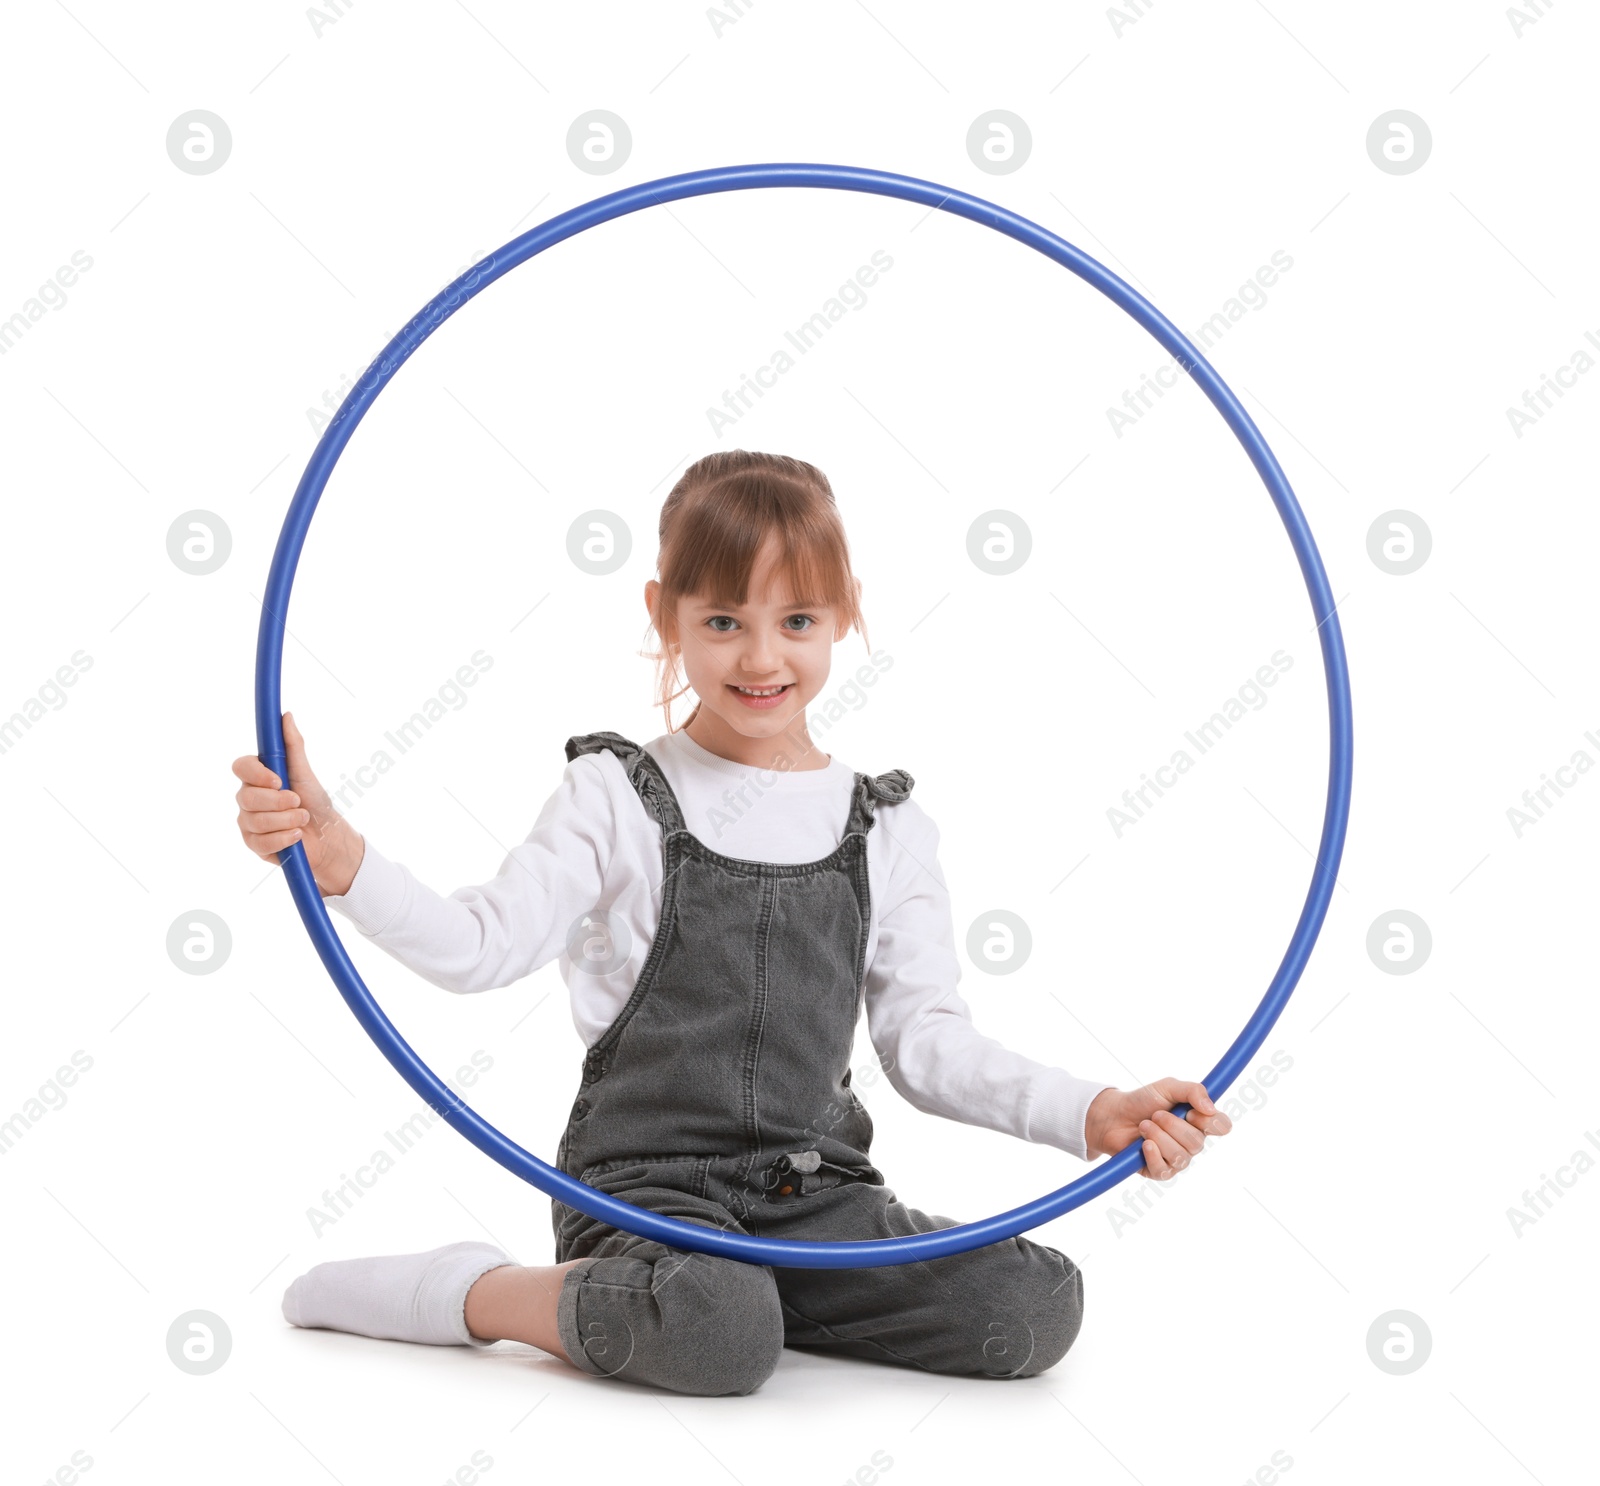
{"x":466,"y":1121}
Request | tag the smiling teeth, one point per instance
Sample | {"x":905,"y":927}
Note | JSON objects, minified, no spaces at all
{"x":751,"y":691}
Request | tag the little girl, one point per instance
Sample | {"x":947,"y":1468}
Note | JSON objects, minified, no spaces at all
{"x":724,"y":901}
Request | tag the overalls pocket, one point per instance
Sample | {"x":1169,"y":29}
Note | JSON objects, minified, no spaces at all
{"x":679,"y":1173}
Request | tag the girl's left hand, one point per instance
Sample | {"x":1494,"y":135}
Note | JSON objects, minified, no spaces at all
{"x":1119,"y":1116}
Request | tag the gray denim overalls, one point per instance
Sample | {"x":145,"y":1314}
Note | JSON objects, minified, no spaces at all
{"x":721,"y":1095}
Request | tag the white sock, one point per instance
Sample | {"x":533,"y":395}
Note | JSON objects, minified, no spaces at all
{"x":398,"y":1297}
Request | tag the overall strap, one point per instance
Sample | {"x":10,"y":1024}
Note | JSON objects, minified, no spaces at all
{"x":649,"y":783}
{"x":891,"y":788}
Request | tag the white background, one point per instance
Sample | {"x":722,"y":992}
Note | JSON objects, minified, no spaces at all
{"x":377,"y":155}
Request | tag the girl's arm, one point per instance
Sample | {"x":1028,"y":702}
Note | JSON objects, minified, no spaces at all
{"x":490,"y":935}
{"x":934,"y":1055}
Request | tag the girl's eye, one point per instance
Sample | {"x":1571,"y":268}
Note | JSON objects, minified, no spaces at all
{"x":715,"y":619}
{"x":808,"y":621}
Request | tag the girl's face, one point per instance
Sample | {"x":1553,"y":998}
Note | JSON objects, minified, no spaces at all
{"x":755,"y":666}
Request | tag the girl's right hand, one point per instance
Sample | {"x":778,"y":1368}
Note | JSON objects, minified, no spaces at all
{"x":272,"y":817}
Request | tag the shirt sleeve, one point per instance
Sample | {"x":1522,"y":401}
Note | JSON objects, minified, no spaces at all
{"x":932,"y":1052}
{"x":493,"y":934}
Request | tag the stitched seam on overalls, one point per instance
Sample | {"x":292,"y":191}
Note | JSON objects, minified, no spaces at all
{"x":648,"y":1159}
{"x":658,"y":947}
{"x":643,"y":766}
{"x":758,"y":1018}
{"x":863,"y":885}
{"x":743,"y":867}
{"x":860,"y":818}
{"x":860,"y":882}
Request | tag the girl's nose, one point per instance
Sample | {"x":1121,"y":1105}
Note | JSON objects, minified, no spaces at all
{"x":759,"y":656}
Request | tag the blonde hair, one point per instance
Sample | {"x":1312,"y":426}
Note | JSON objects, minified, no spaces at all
{"x":713,"y":525}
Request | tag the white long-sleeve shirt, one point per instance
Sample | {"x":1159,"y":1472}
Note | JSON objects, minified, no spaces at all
{"x":594,"y":846}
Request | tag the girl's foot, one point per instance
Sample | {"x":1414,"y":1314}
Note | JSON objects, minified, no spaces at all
{"x":397,"y":1297}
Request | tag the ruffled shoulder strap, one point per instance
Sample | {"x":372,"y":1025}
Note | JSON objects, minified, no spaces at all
{"x":649,"y":783}
{"x":890,"y":788}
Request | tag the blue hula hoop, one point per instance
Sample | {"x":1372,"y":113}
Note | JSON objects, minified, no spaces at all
{"x":467,"y":1122}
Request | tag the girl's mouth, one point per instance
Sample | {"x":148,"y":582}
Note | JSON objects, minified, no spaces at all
{"x":761,"y":697}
